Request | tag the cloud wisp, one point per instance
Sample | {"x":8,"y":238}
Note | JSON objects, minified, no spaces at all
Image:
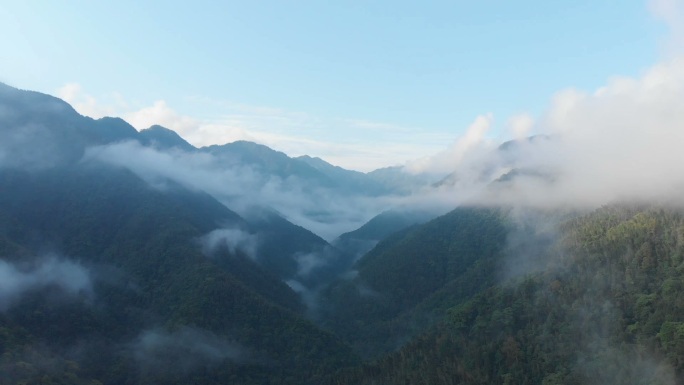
{"x":235,"y":240}
{"x":68,"y":277}
{"x":179,"y":352}
{"x":324,"y":211}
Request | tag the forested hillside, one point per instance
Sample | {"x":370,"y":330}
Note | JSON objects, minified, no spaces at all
{"x":407,"y":280}
{"x":608,"y":309}
{"x":108,"y":281}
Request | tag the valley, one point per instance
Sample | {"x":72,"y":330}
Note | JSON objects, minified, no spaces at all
{"x":134,"y":257}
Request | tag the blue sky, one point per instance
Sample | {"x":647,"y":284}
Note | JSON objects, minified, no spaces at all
{"x":362,"y":84}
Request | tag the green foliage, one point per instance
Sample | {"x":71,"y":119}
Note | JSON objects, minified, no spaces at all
{"x":609,"y":310}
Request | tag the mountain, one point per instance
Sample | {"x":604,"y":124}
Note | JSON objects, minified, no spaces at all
{"x":164,"y":139}
{"x":504,"y":164}
{"x":107,"y":278}
{"x":101,"y":219}
{"x":268,"y":162}
{"x":406,"y":280}
{"x":398,"y":179}
{"x":282,"y":243}
{"x":388,"y":222}
{"x":315,"y":172}
{"x":358,"y":242}
{"x":40,"y":130}
{"x":354,"y":182}
{"x":606,"y":308}
{"x":111,"y":130}
{"x":129,"y":266}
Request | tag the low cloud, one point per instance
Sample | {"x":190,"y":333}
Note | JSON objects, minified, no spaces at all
{"x":160,"y":113}
{"x":51,"y":271}
{"x":671,"y":12}
{"x":309,"y":262}
{"x":89,"y":105}
{"x":234,"y":240}
{"x":621,"y":142}
{"x":520,"y":126}
{"x":324,"y":211}
{"x":465,"y":149}
{"x":169,"y":353}
{"x":308,"y":296}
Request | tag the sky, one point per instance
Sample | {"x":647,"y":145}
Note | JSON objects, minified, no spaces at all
{"x":361,"y":84}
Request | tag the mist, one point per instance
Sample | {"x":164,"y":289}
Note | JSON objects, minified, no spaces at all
{"x":326,"y":212}
{"x":50,"y":271}
{"x":168,"y":353}
{"x":235,"y":240}
{"x":621,"y":142}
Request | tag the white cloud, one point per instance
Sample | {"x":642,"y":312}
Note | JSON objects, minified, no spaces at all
{"x":323,"y":211}
{"x":87,"y":104}
{"x":671,"y":12}
{"x":51,"y":271}
{"x":160,"y":113}
{"x":620,"y":142}
{"x":235,"y":240}
{"x":520,"y":125}
{"x":169,"y":353}
{"x":468,"y":145}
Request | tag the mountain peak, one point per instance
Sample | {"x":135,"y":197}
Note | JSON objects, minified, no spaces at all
{"x":112,"y":129}
{"x":164,"y":138}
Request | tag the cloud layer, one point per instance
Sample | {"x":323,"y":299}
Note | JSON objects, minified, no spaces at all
{"x":324,"y":211}
{"x":621,"y":142}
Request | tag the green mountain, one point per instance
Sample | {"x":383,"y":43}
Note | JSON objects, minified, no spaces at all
{"x":358,"y":242}
{"x":40,"y":131}
{"x":281,"y":242}
{"x":408,"y":279}
{"x":606,"y":308}
{"x":105,"y":278}
{"x":109,"y":220}
{"x":387,"y":223}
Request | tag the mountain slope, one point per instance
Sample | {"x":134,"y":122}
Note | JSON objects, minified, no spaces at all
{"x":350,"y":181}
{"x":406,"y":281}
{"x":164,"y":139}
{"x":386,"y":223}
{"x":268,"y":161}
{"x":607,"y":309}
{"x":108,"y":219}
